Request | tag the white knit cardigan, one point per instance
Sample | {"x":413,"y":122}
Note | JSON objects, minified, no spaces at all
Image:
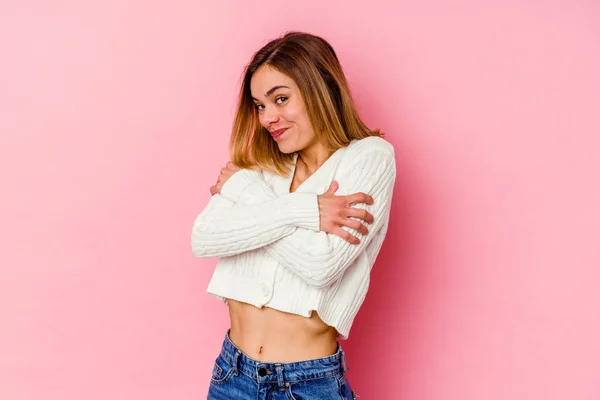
{"x":272,"y":253}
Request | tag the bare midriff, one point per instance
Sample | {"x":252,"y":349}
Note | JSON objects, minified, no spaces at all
{"x":270,"y":335}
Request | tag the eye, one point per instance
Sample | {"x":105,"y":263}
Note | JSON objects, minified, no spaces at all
{"x":282,"y":98}
{"x":258,"y":106}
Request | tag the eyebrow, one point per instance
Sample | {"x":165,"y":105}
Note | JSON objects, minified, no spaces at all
{"x":270,"y":92}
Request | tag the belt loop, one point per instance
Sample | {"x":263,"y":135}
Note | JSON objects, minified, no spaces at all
{"x":280,"y":380}
{"x":343,"y":360}
{"x":236,"y":360}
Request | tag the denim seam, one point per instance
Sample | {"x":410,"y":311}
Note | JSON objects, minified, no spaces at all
{"x":312,"y":379}
{"x":227,"y":375}
{"x":340,"y":386}
{"x":217,"y":371}
{"x":295,"y":380}
{"x":225,"y":379}
{"x":333,"y":374}
{"x":249,"y":376}
{"x":289,"y":393}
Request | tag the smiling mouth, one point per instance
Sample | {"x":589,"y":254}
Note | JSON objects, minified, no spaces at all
{"x":278,"y":132}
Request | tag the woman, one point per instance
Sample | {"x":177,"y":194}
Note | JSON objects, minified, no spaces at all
{"x":298,"y":217}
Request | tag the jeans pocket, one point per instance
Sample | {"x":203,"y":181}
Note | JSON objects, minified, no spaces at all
{"x":222,"y":371}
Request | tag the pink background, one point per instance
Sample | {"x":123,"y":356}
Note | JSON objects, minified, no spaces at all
{"x":114,"y":123}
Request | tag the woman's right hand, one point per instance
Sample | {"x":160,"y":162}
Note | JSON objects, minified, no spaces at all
{"x":225,"y":174}
{"x":336,"y":211}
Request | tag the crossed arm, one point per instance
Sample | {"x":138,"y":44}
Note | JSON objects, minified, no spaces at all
{"x":247,"y":215}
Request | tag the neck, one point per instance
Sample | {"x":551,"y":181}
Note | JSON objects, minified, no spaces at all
{"x":313,"y":157}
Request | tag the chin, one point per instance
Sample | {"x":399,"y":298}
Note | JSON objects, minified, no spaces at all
{"x":286,"y":149}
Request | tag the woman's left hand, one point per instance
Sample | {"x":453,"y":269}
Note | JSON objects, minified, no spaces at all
{"x":226,"y":173}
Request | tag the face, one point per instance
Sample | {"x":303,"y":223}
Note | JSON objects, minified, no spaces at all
{"x":281,"y":109}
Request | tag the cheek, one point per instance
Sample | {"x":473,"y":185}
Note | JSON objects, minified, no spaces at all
{"x":261,"y":120}
{"x":297,"y":114}
{"x":264,"y":122}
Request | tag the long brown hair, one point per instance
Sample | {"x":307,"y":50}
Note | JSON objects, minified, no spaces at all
{"x":313,"y":65}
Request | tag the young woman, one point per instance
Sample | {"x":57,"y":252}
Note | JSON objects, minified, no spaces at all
{"x":297,"y":218}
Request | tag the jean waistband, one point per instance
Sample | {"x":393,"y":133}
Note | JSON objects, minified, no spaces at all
{"x":281,"y":373}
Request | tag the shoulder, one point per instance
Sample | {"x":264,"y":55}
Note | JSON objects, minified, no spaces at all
{"x":369,"y":147}
{"x":372,"y":156}
{"x":370,"y":144}
{"x":367,"y":165}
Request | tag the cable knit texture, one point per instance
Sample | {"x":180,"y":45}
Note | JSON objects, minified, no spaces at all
{"x":272,"y":252}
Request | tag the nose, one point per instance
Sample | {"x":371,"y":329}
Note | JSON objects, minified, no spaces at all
{"x":269,"y":116}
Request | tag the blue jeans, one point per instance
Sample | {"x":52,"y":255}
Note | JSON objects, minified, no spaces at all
{"x":236,"y":376}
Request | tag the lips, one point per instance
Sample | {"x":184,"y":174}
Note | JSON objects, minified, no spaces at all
{"x":278,"y":132}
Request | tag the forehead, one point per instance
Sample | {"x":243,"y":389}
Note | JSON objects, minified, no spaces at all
{"x":267,"y":77}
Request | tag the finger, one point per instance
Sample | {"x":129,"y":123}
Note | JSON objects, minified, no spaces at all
{"x":213,"y":190}
{"x":356,"y":225}
{"x":359,"y":198}
{"x":333,"y":187}
{"x":346,"y":235}
{"x":360,"y":213}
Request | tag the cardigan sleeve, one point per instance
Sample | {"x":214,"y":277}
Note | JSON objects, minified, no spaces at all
{"x":225,"y":227}
{"x":317,"y":257}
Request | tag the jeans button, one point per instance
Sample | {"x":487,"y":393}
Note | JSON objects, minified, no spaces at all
{"x":262,"y":372}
